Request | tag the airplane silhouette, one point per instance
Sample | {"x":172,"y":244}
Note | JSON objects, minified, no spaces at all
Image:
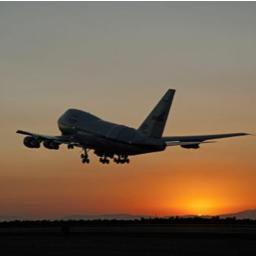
{"x":114,"y":141}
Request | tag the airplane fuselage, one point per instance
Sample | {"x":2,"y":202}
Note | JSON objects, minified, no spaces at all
{"x":105,"y":137}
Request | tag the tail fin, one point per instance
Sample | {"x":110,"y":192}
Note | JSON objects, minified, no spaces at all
{"x":153,"y":125}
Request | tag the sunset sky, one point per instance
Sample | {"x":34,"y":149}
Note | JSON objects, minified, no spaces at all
{"x":116,"y":60}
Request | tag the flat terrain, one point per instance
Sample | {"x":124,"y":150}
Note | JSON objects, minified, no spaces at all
{"x":176,"y":239}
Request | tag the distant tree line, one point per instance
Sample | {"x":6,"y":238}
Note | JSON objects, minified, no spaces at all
{"x":115,"y":222}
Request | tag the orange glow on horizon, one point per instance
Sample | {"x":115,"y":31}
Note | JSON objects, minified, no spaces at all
{"x":138,"y":191}
{"x":202,"y":206}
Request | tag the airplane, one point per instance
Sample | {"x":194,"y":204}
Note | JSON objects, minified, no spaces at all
{"x":114,"y":141}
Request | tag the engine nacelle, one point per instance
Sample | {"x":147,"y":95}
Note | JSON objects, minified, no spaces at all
{"x":51,"y":144}
{"x":31,"y":142}
{"x":193,"y":146}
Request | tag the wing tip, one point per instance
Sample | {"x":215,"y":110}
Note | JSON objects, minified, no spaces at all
{"x":22,"y":132}
{"x":245,"y":134}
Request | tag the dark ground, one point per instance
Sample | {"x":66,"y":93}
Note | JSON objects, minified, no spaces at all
{"x":128,"y":238}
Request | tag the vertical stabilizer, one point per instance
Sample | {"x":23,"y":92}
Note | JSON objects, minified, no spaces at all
{"x":153,"y":125}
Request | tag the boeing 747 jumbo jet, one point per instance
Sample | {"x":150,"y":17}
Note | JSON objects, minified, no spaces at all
{"x":114,"y":141}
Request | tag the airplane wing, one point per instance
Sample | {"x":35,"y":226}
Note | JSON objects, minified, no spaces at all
{"x":58,"y":139}
{"x":194,"y":141}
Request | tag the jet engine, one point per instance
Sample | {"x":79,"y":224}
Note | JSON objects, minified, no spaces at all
{"x":51,"y":144}
{"x":194,"y":146}
{"x":31,"y":142}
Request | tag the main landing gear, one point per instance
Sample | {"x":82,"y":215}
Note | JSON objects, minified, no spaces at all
{"x":84,"y":157}
{"x":104,"y":158}
{"x":70,"y":146}
{"x":122,"y":160}
{"x":119,"y":160}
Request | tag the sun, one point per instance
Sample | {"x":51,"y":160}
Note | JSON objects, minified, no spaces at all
{"x":200,"y":207}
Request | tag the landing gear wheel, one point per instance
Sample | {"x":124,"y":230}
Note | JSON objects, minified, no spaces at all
{"x":104,"y":160}
{"x":70,"y":146}
{"x":121,"y":159}
{"x":84,"y":157}
{"x":84,"y":160}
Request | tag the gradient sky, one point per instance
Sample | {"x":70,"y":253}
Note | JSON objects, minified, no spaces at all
{"x":116,"y":60}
